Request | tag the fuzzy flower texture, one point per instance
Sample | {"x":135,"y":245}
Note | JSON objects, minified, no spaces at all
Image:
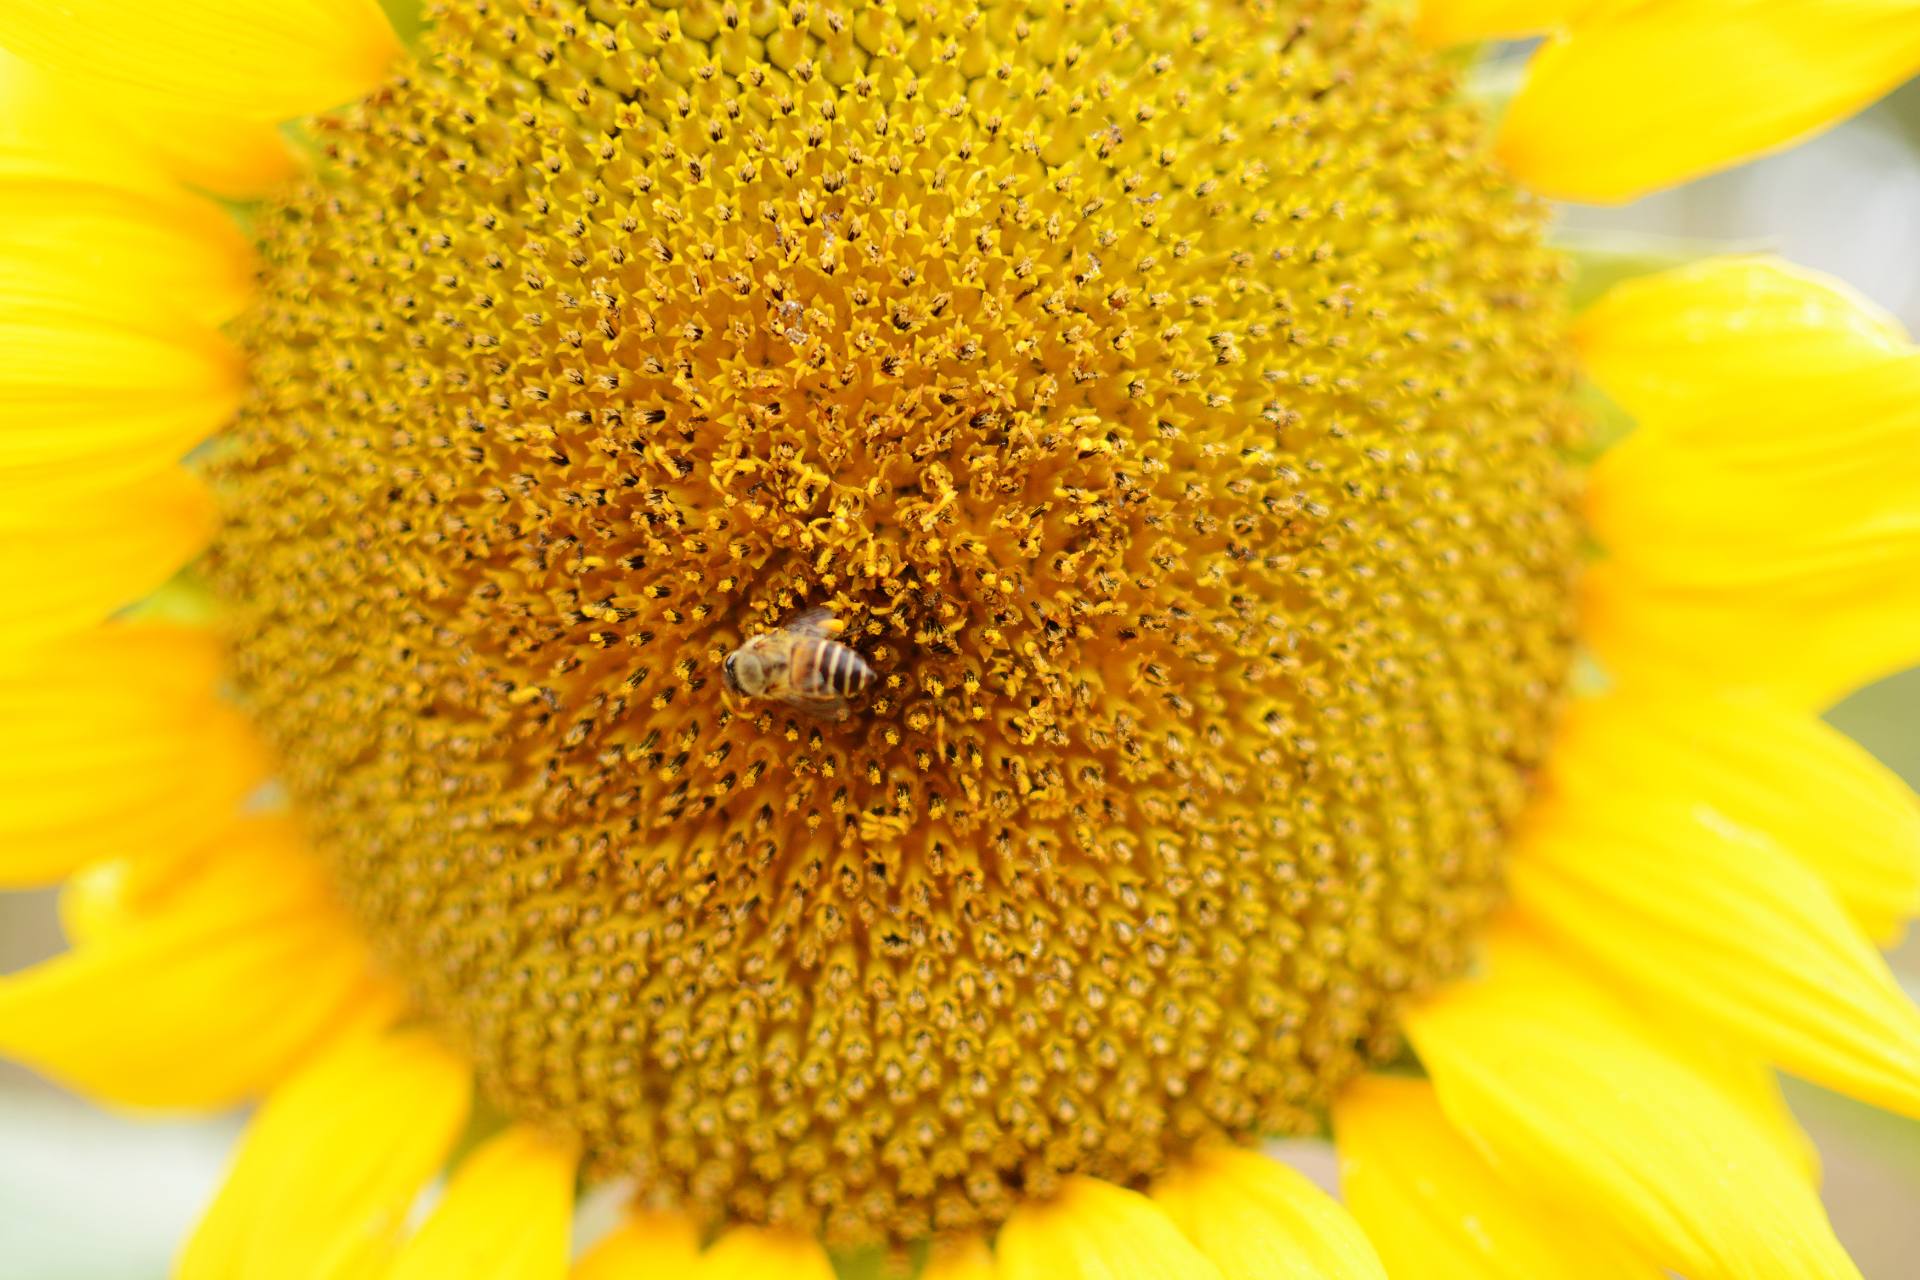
{"x":1323,"y":673}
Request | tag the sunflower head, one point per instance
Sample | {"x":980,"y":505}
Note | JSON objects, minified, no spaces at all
{"x":1170,"y":406}
{"x":905,"y":627}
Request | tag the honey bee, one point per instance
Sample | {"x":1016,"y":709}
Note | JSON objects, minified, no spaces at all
{"x":802,"y":665}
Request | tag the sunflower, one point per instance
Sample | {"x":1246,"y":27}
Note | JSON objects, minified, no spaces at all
{"x":1286,"y":718}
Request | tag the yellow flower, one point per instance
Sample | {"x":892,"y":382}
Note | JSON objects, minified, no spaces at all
{"x":1277,"y":722}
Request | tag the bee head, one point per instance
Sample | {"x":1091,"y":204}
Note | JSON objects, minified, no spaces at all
{"x":741,"y":673}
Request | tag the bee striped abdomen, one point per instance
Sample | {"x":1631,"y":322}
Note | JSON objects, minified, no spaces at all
{"x":834,"y":668}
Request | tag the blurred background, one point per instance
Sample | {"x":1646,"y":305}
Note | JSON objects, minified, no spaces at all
{"x":89,"y":1195}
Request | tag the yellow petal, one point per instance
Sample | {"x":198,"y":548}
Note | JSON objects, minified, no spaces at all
{"x":1760,"y":524}
{"x":68,"y":133}
{"x":1671,"y":347}
{"x":110,"y":250}
{"x":1575,"y":1099}
{"x":964,"y":1259}
{"x":646,"y":1246}
{"x":507,"y":1214}
{"x":79,"y":279}
{"x":1740,"y":638}
{"x":68,"y":568}
{"x":1257,"y":1219}
{"x":1642,"y":96}
{"x":110,"y":279}
{"x":329,"y":1167}
{"x":1434,"y":1207}
{"x":1442,"y":23}
{"x":241,"y":58}
{"x":750,"y":1253}
{"x":129,"y":893}
{"x":1692,"y":517}
{"x":114,"y":246}
{"x":238,"y":159}
{"x":97,"y":900}
{"x":1697,"y":913}
{"x":209,"y":999}
{"x":117,"y":742}
{"x":90,"y":402}
{"x":1745,"y":1080}
{"x":1763,"y":766}
{"x":1094,"y":1230}
{"x":366,"y":1255}
{"x":46,"y":131}
{"x":1755,"y":386}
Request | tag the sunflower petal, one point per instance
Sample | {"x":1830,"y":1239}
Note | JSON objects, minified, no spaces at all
{"x":1641,"y":96}
{"x":62,"y":133}
{"x":110,"y":279}
{"x":507,"y":1214}
{"x":91,"y":401}
{"x":367,"y":1255}
{"x":239,"y":58}
{"x":1574,"y":1098}
{"x":1701,"y":914}
{"x":645,"y":1246}
{"x":67,"y":569}
{"x":1671,"y":346}
{"x":1093,"y":1230}
{"x":1760,"y":525}
{"x":46,"y":132}
{"x":131,"y":893}
{"x":750,"y":1253}
{"x":963,"y":1259}
{"x":1800,"y":527}
{"x":1257,"y":1219}
{"x":237,"y":159}
{"x":116,"y":743}
{"x":1706,"y":455}
{"x":1761,"y":766}
{"x":1746,"y":1081}
{"x":1434,"y":1206}
{"x":1734,"y":639}
{"x":208,"y":1000}
{"x":328,"y":1169}
{"x":110,"y":245}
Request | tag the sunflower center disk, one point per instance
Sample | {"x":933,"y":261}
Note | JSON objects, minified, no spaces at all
{"x":1169,"y":400}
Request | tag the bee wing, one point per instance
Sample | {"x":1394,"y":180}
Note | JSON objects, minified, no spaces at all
{"x":817,"y":621}
{"x":833,"y":710}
